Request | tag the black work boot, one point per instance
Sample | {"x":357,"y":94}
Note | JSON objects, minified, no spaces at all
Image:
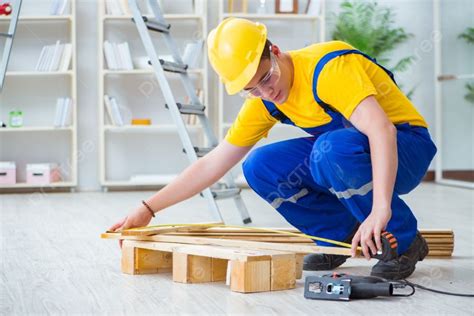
{"x":404,"y":265}
{"x":324,"y":262}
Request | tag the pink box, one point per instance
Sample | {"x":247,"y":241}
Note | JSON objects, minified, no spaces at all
{"x":42,"y":173}
{"x":7,"y":172}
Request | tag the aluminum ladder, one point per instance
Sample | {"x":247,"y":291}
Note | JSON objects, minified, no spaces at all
{"x":9,"y":41}
{"x":157,"y":23}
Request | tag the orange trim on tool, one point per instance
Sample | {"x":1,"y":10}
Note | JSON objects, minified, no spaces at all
{"x":393,"y":246}
{"x":392,"y":240}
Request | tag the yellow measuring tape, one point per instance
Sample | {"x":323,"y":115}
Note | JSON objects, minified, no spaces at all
{"x":335,"y":242}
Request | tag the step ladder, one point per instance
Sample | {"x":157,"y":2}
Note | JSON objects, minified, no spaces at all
{"x":157,"y":23}
{"x":9,"y":41}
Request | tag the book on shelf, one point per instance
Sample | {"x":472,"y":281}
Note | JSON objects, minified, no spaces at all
{"x":118,"y":56}
{"x":58,"y":7}
{"x":55,"y":57}
{"x":192,"y":53}
{"x":62,"y":117}
{"x":113,"y":111}
{"x":117,"y":7}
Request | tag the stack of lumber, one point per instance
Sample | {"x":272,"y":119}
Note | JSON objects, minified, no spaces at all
{"x":440,"y":242}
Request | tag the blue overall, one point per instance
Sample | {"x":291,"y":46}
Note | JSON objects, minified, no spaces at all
{"x":322,"y":184}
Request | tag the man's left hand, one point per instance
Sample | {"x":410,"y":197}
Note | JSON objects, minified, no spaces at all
{"x":370,"y":230}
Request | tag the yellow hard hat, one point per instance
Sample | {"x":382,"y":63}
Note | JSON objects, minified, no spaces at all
{"x":234,"y":49}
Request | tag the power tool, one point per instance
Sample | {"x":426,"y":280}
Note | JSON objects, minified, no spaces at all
{"x":344,"y":287}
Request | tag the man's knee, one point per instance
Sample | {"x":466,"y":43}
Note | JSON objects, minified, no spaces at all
{"x":254,"y":165}
{"x":334,"y":151}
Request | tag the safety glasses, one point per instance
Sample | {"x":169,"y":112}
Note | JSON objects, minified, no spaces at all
{"x":267,"y":82}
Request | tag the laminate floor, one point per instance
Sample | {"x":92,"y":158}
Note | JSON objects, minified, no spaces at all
{"x":53,"y":261}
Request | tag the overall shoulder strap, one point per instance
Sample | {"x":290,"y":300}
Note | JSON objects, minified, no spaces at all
{"x":327,"y":58}
{"x":276,"y":113}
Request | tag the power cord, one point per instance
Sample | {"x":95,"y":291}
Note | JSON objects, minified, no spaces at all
{"x":414,"y":285}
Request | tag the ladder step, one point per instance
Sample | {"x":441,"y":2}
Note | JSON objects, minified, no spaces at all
{"x":190,"y":108}
{"x":202,"y":151}
{"x":155,"y":25}
{"x":225,"y":193}
{"x":172,"y":66}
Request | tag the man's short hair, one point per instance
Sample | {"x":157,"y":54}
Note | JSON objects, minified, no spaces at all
{"x":266,"y":50}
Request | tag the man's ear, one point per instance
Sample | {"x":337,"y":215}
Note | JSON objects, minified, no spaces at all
{"x":276,"y":50}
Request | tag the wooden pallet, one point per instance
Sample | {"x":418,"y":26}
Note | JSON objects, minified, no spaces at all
{"x":245,"y":270}
{"x":248,"y":260}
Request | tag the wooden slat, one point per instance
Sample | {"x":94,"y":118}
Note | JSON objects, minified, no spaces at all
{"x":214,"y":251}
{"x":300,"y":248}
{"x":148,"y":231}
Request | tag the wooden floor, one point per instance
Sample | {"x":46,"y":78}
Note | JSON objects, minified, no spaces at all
{"x":53,"y":262}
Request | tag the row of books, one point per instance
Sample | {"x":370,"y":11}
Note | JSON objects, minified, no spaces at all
{"x":58,"y":7}
{"x":62,"y":117}
{"x":115,"y":116}
{"x":55,"y":57}
{"x":113,"y":111}
{"x":117,"y":56}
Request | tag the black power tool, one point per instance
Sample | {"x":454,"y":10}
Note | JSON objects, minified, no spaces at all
{"x":344,"y":287}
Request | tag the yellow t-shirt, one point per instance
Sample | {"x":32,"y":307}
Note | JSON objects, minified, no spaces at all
{"x":343,"y":83}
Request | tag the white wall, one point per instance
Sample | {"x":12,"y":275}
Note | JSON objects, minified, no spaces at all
{"x":415,"y":16}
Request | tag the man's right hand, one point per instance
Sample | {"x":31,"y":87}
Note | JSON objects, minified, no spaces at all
{"x":138,"y":218}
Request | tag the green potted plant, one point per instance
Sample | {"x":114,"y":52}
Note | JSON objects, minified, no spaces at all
{"x":371,"y":29}
{"x":468,"y":36}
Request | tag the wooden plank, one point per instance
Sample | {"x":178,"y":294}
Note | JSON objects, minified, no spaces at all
{"x":152,"y":261}
{"x":227,"y":253}
{"x":256,"y":238}
{"x":250,"y":276}
{"x":300,"y":248}
{"x":143,"y":261}
{"x":191,"y":269}
{"x":148,"y":231}
{"x":249,"y":234}
{"x":219,"y":269}
{"x":283,"y":272}
{"x":299,"y":265}
{"x":441,"y":253}
{"x":128,"y":258}
{"x":436,"y":231}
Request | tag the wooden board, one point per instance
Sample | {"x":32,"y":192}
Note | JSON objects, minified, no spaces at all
{"x":297,"y":248}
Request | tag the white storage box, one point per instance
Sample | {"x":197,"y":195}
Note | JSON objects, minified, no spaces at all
{"x":7,"y":172}
{"x":42,"y":173}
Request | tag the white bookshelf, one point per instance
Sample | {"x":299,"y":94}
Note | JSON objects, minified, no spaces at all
{"x":312,"y":30}
{"x":156,"y":147}
{"x":38,"y":141}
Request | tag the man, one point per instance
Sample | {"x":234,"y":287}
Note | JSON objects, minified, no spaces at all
{"x":369,"y":145}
